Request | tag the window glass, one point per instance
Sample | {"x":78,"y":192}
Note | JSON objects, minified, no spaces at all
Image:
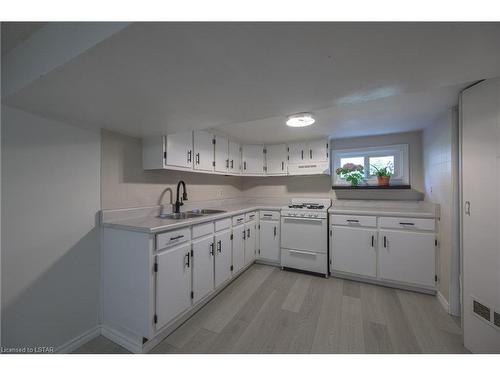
{"x":381,"y":162}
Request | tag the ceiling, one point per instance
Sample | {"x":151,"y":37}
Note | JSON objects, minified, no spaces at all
{"x":244,"y":78}
{"x":14,"y":33}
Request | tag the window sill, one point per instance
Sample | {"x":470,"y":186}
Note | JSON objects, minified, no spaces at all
{"x":370,"y":187}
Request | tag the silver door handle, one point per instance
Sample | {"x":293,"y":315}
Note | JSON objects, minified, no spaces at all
{"x":467,"y":208}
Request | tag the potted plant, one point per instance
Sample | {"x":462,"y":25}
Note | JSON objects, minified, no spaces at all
{"x":352,"y":173}
{"x":383,"y":174}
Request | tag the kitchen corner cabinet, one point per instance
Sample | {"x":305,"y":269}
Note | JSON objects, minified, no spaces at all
{"x":173,"y":283}
{"x":276,"y":159}
{"x":252,"y":157}
{"x":203,"y":145}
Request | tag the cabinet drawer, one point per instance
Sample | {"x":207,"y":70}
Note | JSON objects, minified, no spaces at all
{"x":407,"y":223}
{"x":250,"y":216}
{"x":354,"y":220}
{"x":239,"y":219}
{"x":269,"y":215}
{"x":222,"y":224}
{"x":304,"y":260}
{"x":173,"y":237}
{"x":203,"y":229}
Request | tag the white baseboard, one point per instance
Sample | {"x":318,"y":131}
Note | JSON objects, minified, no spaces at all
{"x":79,"y":340}
{"x":121,"y":339}
{"x":443,"y":302}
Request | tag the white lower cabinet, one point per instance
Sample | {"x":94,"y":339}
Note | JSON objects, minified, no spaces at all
{"x":407,"y":257}
{"x":354,"y":250}
{"x":250,"y":242}
{"x":239,"y":236}
{"x":203,"y":267}
{"x":173,"y":283}
{"x":223,"y":257}
{"x":269,"y":240}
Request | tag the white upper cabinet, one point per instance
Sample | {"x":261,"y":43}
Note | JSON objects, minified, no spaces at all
{"x":318,"y":150}
{"x":179,"y":150}
{"x":253,"y":159}
{"x":222,"y":154}
{"x":203,"y":151}
{"x":276,"y":159}
{"x":296,"y":152}
{"x":234,"y":158}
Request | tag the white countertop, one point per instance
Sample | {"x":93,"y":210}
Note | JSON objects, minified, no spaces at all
{"x":398,"y":209}
{"x":151,"y":223}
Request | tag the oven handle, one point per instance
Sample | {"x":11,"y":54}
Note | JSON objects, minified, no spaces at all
{"x":301,"y":218}
{"x":303,"y":252}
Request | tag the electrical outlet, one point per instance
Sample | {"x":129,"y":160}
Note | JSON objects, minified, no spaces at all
{"x":219,"y":193}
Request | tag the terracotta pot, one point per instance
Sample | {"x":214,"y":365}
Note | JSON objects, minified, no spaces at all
{"x":383,"y":180}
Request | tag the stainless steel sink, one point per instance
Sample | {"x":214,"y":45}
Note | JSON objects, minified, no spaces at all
{"x":206,"y":211}
{"x":180,"y":215}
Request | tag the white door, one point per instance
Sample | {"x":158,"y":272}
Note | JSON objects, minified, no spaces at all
{"x":234,"y":158}
{"x":318,"y":150}
{"x":180,"y":150}
{"x":480,"y":112}
{"x":203,"y":151}
{"x":223,"y":257}
{"x":253,"y":159}
{"x":407,"y":256}
{"x":221,"y":154}
{"x":203,"y":267}
{"x":250,"y":243}
{"x":173,"y":283}
{"x":354,"y":250}
{"x":296,"y":152}
{"x":270,"y":240}
{"x":276,"y":159}
{"x":239,"y":235}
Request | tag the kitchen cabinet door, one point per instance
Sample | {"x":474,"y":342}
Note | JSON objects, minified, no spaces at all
{"x":407,"y":256}
{"x":221,"y":154}
{"x":250,"y":243}
{"x":179,"y":149}
{"x":270,"y":240}
{"x":203,"y":151}
{"x":296,"y":152}
{"x":318,"y":150}
{"x":223,"y":257}
{"x":353,"y":250}
{"x":253,"y":159}
{"x":203,"y":267}
{"x":239,"y":236}
{"x":173,"y":283}
{"x":234,"y":158}
{"x":276,"y":159}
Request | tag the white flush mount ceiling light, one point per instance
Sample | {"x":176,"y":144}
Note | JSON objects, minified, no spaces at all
{"x":300,"y":120}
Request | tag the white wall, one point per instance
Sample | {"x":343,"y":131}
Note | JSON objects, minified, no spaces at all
{"x":441,"y":187}
{"x":50,"y":243}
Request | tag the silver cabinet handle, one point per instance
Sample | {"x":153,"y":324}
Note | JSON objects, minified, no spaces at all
{"x":303,"y":253}
{"x":467,"y":208}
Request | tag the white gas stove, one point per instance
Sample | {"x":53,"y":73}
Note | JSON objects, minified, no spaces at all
{"x":304,"y":234}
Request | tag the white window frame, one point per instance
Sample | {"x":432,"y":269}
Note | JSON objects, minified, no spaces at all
{"x":401,"y":162}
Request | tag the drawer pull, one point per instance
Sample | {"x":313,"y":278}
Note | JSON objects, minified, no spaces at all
{"x":407,"y":223}
{"x":176,"y":237}
{"x":252,"y":216}
{"x":303,"y":253}
{"x":352,"y":221}
{"x":239,"y":219}
{"x":268,"y":215}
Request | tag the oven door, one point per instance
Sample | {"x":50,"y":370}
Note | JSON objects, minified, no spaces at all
{"x":300,"y":233}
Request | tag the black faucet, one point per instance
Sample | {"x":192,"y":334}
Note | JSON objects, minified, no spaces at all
{"x":180,"y":202}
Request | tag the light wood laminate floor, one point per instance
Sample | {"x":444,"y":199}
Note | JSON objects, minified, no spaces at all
{"x":267,"y":310}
